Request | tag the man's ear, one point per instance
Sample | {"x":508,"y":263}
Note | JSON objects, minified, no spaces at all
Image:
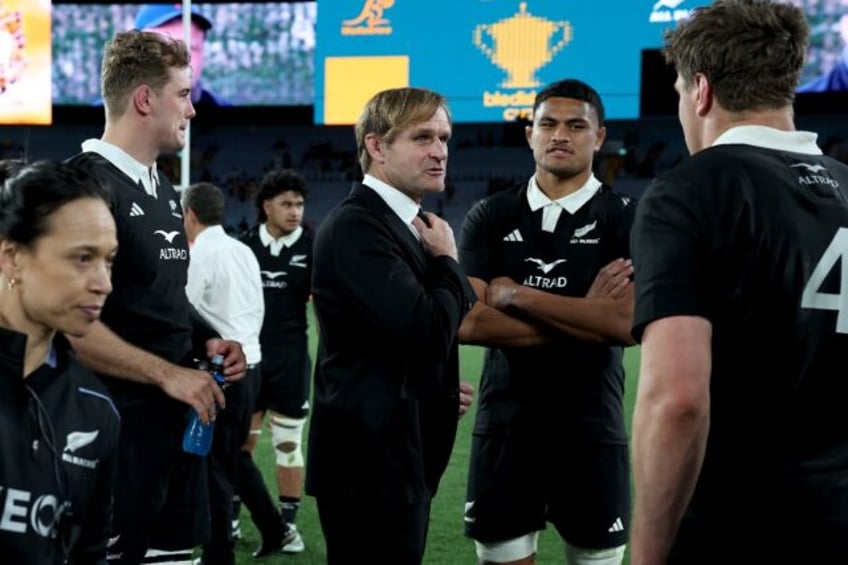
{"x":602,"y":136}
{"x":704,"y":94}
{"x":376,"y":147}
{"x":141,"y":99}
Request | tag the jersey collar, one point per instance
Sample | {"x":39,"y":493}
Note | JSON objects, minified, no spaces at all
{"x":137,"y":171}
{"x":771,"y":138}
{"x":553,"y":208}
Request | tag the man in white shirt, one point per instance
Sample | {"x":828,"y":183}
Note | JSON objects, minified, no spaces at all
{"x":225,"y":286}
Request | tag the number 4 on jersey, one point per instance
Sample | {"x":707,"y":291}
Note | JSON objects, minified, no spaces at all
{"x":812,"y":298}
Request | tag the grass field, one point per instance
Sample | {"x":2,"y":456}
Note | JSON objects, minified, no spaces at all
{"x":446,"y":544}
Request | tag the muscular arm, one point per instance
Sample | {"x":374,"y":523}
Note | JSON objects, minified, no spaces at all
{"x":103,"y":351}
{"x":591,"y":319}
{"x":670,"y":427}
{"x":604,"y":315}
{"x":484,"y":325}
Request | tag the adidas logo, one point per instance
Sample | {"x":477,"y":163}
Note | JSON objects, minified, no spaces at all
{"x":135,"y":210}
{"x":617,"y":526}
{"x":514,"y":235}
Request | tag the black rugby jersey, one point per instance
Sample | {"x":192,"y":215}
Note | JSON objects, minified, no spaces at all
{"x":578,"y":385}
{"x":148,"y":306}
{"x":58,"y":443}
{"x":286,"y":283}
{"x":755,"y":240}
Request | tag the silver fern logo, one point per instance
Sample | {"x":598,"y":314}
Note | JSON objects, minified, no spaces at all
{"x":580,"y":232}
{"x":80,"y":439}
{"x":75,"y":442}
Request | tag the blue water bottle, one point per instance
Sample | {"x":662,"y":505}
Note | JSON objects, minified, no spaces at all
{"x":197,"y":438}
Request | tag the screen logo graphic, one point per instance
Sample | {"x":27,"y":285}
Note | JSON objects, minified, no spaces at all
{"x":12,"y":56}
{"x":370,"y":20}
{"x":25,"y":62}
{"x":665,"y":11}
{"x":521,"y":45}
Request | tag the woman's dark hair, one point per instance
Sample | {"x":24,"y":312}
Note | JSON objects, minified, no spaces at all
{"x":30,"y":197}
{"x":9,"y":168}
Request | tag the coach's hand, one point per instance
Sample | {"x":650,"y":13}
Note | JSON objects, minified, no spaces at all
{"x":466,"y":397}
{"x":436,"y":235}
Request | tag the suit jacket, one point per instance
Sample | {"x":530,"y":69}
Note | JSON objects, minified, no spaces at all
{"x":386,"y":378}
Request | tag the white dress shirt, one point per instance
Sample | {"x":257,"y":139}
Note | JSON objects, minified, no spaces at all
{"x":405,"y":207}
{"x":225,"y":286}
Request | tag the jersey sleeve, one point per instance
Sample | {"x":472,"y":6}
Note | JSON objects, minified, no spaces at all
{"x":622,"y":224}
{"x":669,"y":250}
{"x":476,"y":252}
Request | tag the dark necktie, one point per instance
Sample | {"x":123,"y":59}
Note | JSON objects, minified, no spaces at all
{"x":424,"y":218}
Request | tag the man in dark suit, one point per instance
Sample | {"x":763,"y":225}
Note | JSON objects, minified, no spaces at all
{"x":389,"y":296}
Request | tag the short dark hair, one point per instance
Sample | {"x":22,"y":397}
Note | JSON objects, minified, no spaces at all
{"x":206,"y":201}
{"x":30,"y":197}
{"x":572,"y":88}
{"x":751,"y":51}
{"x":277,"y":182}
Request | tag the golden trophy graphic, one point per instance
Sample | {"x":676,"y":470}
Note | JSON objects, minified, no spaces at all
{"x":521,"y":45}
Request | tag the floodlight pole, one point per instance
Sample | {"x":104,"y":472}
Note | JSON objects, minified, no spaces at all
{"x":185,"y":154}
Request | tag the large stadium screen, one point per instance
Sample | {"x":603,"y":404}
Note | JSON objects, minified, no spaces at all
{"x":823,"y":87}
{"x":489,"y":57}
{"x":25,"y":62}
{"x":827,"y":58}
{"x":253,"y":54}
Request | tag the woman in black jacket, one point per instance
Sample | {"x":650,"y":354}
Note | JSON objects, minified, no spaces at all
{"x":58,"y":427}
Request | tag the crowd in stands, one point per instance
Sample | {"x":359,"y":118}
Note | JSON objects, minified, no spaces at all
{"x":485,"y":158}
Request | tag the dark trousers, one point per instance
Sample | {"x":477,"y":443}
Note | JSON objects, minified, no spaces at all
{"x":250,"y":484}
{"x":256,"y":498}
{"x":163,"y":499}
{"x":232,"y":427}
{"x":350,"y":527}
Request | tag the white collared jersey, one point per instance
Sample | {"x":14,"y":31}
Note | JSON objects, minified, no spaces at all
{"x":581,"y":382}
